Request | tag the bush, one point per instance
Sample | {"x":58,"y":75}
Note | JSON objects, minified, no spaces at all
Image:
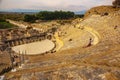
{"x":79,"y":16}
{"x":116,"y":3}
{"x":49,"y":15}
{"x":2,"y":20}
{"x":5,"y":25}
{"x":12,"y":16}
{"x":29,"y":18}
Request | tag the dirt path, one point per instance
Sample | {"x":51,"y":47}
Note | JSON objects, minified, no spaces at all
{"x":21,"y":25}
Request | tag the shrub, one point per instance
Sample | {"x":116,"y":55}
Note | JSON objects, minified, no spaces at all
{"x":5,"y":25}
{"x":49,"y":15}
{"x":116,"y":3}
{"x":29,"y":18}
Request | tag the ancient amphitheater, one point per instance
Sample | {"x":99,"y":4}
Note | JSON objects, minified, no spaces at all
{"x":85,"y":49}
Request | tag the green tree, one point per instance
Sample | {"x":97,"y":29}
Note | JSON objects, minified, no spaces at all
{"x":29,"y":18}
{"x":49,"y":15}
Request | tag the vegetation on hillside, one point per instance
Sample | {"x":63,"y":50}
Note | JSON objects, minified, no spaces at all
{"x":79,"y":15}
{"x":30,"y":18}
{"x":4,"y":24}
{"x":12,"y":16}
{"x":49,"y":15}
{"x":43,"y":15}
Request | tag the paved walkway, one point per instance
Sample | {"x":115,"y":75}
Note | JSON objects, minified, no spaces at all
{"x":35,"y":47}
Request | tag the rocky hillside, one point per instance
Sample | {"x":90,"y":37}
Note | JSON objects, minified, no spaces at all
{"x":98,"y":61}
{"x":101,"y":10}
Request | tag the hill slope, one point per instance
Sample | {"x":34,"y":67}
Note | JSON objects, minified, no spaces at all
{"x":101,"y":10}
{"x":98,"y":62}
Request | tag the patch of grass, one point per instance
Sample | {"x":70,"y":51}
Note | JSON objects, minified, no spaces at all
{"x":6,"y":25}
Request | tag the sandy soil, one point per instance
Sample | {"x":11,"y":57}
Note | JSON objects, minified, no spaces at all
{"x":35,"y":47}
